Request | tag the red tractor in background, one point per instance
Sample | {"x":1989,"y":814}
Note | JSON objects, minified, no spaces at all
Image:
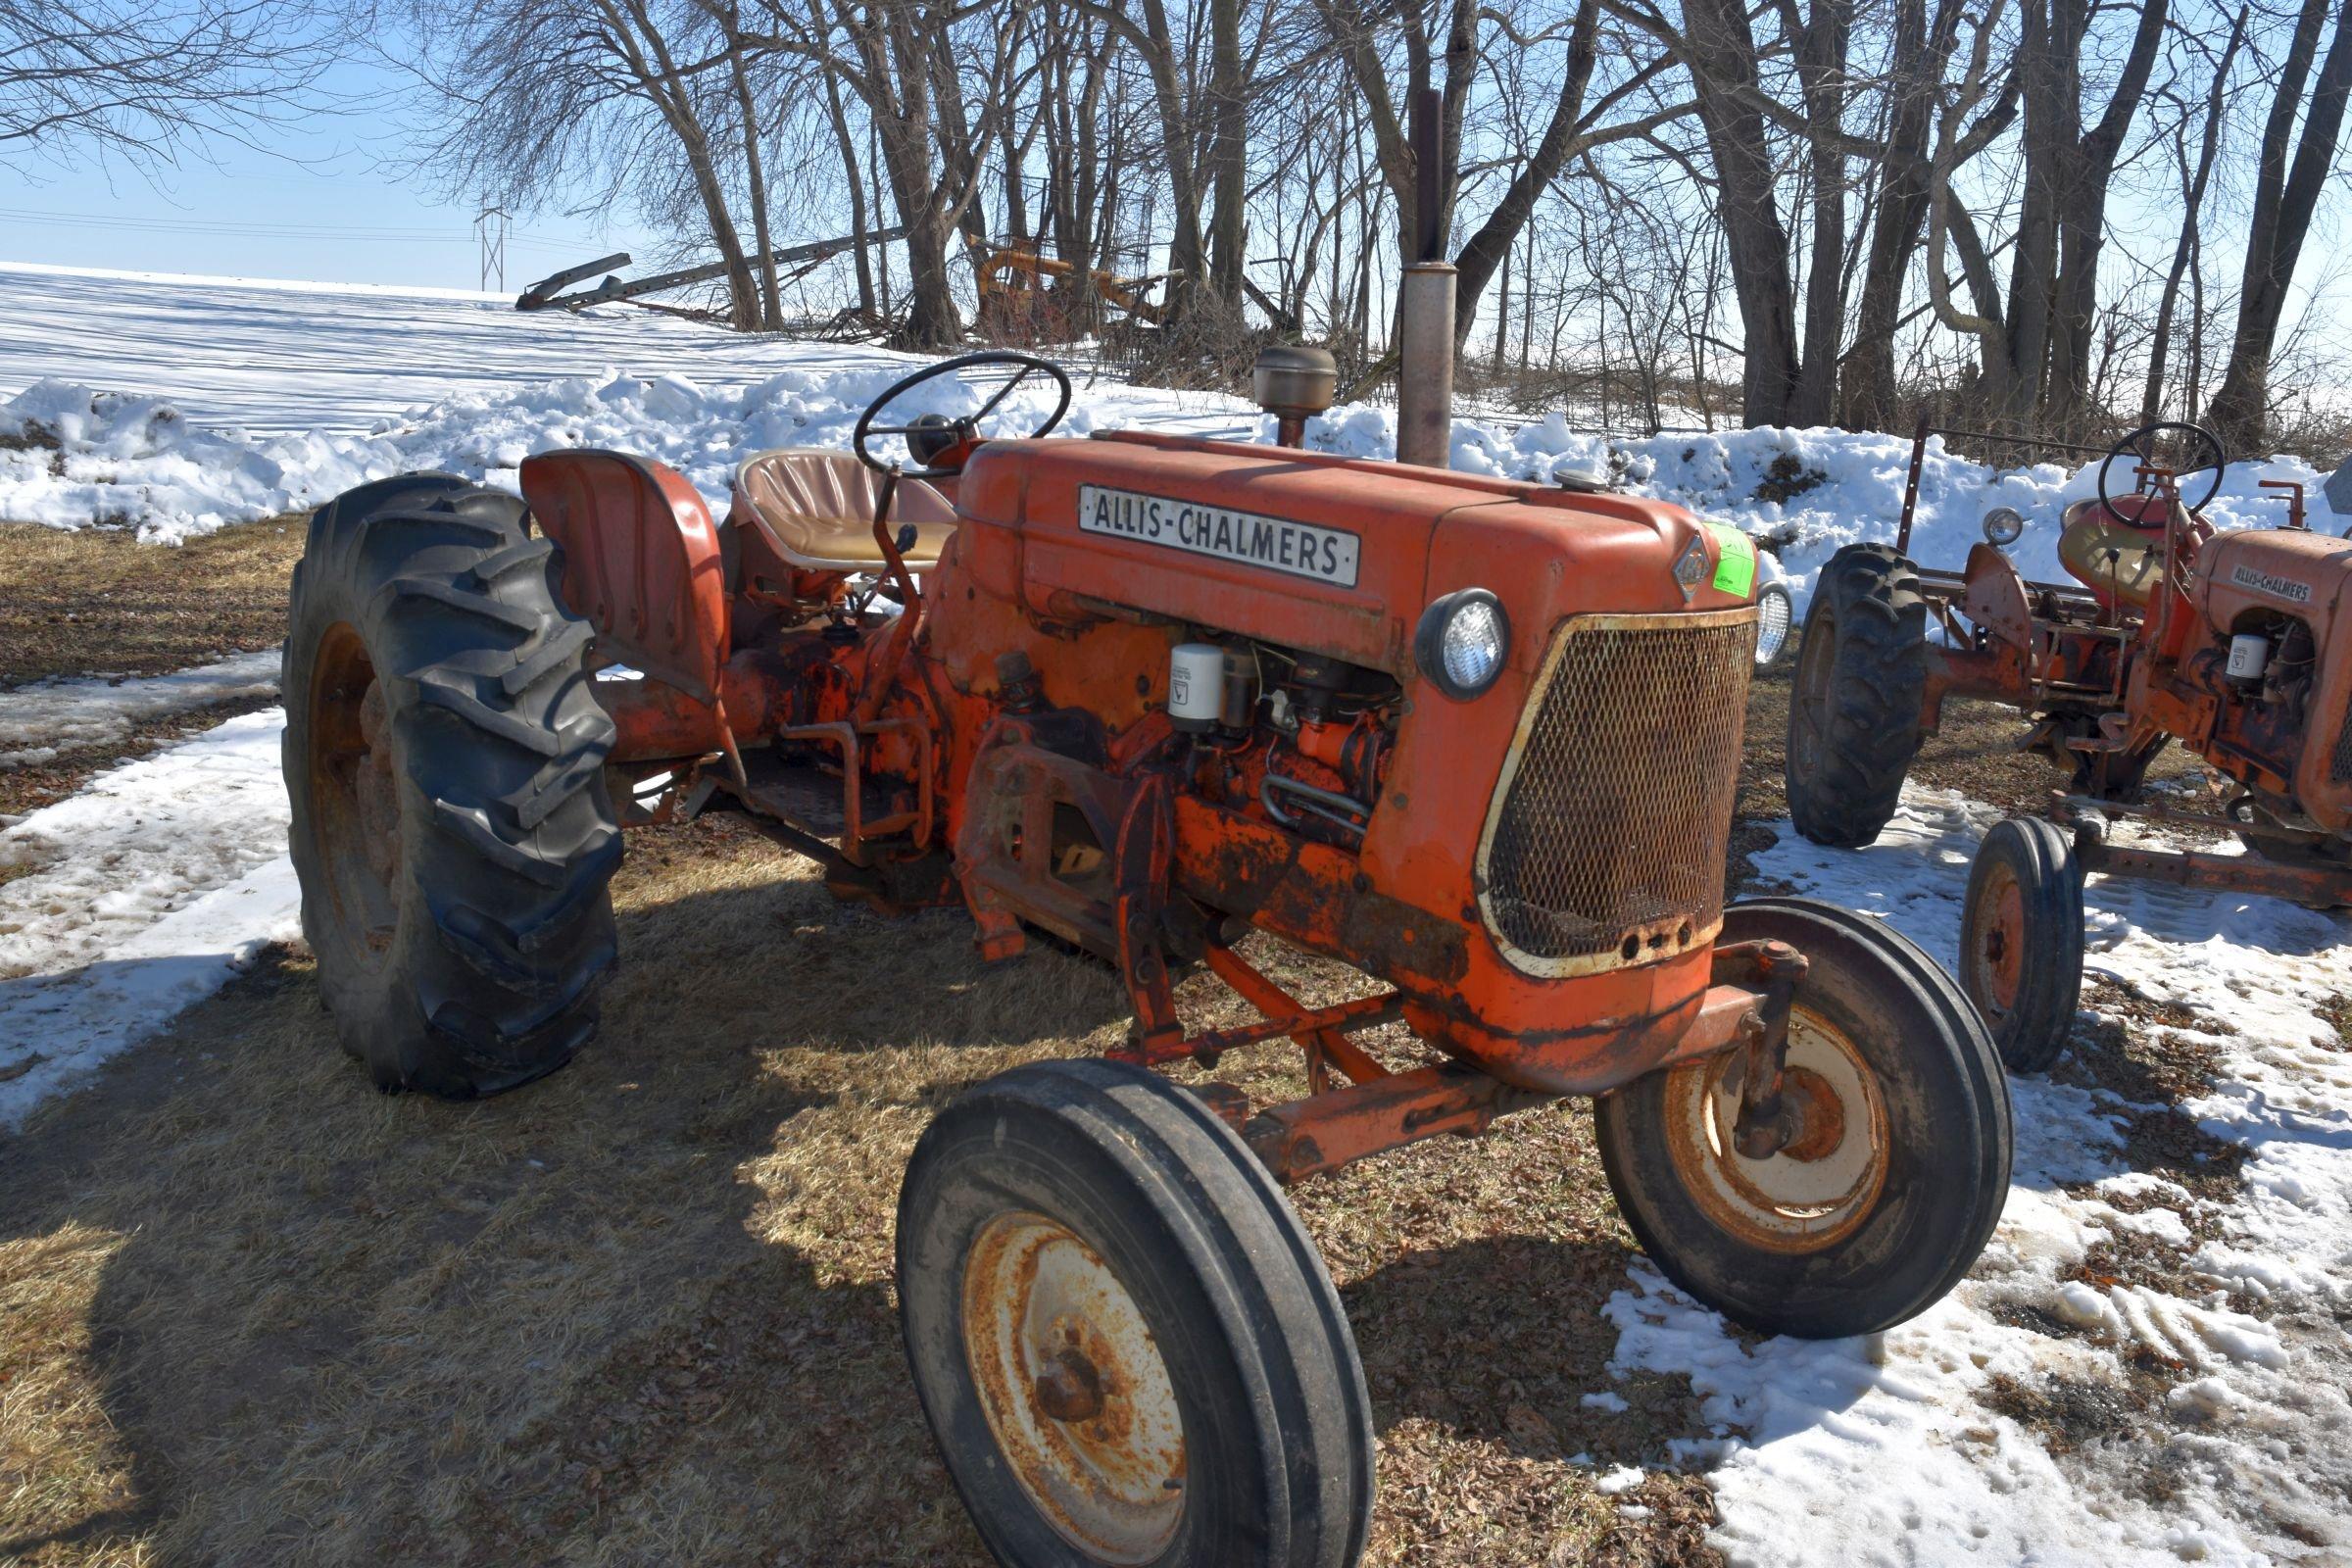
{"x":2228,"y":643}
{"x":1147,"y":695}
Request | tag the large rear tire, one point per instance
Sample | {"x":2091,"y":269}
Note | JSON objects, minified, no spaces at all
{"x":1898,"y":1175}
{"x":1125,"y":1342}
{"x":444,"y":757}
{"x":1854,"y":713}
{"x":2021,"y":940}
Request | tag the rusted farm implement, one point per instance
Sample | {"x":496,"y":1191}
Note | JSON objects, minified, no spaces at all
{"x":1149,"y":694}
{"x":2229,"y":644}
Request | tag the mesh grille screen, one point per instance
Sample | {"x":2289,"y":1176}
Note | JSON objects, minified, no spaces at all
{"x":2339,"y":760}
{"x":1619,"y":815}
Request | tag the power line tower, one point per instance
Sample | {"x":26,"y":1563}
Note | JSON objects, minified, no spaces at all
{"x":490,"y":227}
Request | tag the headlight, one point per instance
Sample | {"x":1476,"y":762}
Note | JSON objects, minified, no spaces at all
{"x":2004,"y":527}
{"x":1462,"y":641}
{"x":1775,"y":613}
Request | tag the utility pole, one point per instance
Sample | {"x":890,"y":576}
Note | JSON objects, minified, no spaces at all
{"x":490,"y":227}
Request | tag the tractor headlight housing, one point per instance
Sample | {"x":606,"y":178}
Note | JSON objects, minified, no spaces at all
{"x":1462,"y":641}
{"x":2004,"y":527}
{"x":1775,"y":612}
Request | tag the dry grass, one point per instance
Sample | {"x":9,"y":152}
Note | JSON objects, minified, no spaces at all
{"x":643,"y":1311}
{"x":96,"y":599}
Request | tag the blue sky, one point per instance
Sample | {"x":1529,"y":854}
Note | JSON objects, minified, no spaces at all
{"x":322,"y":204}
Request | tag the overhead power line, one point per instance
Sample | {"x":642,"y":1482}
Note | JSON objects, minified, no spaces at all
{"x":123,"y":223}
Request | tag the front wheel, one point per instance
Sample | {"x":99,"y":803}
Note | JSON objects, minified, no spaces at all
{"x":1896,"y":1178}
{"x":2021,"y":939}
{"x":1124,"y":1340}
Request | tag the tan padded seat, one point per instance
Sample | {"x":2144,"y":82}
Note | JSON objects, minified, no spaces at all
{"x":817,"y":508}
{"x":2109,"y":555}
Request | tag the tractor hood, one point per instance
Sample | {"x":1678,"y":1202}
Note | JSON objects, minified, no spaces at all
{"x":1335,"y":555}
{"x":2288,"y":572}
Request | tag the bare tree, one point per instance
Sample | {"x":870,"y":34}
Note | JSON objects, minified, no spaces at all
{"x":149,"y":81}
{"x":2284,"y":199}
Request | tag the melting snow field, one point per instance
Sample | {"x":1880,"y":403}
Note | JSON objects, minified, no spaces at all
{"x":42,"y":719}
{"x":179,"y":405}
{"x":136,"y":896}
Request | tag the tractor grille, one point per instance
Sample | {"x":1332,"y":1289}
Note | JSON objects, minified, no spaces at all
{"x":1605,"y":845}
{"x":2339,"y":760}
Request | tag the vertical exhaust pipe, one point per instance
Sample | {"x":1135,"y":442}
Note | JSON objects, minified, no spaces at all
{"x":1425,"y":308}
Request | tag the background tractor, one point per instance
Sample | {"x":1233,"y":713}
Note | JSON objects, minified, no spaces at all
{"x":2228,"y":643}
{"x":1147,"y":695}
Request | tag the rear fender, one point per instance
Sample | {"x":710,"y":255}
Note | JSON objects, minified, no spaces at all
{"x":641,"y":562}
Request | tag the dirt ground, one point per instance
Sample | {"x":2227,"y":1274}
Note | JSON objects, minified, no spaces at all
{"x":252,"y":1311}
{"x":96,"y":600}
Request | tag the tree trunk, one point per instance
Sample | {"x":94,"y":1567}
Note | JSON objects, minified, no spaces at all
{"x":1867,"y":398}
{"x":1723,"y":59}
{"x":1822,"y":68}
{"x":2090,"y":170}
{"x":659,"y":79}
{"x":2284,"y":204}
{"x":771,"y":304}
{"x":1228,"y":171}
{"x":2192,"y":205}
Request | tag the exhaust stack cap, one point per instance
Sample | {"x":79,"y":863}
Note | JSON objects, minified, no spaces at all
{"x":1294,"y":381}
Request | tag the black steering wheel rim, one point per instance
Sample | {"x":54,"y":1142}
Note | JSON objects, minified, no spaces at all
{"x":1028,"y":363}
{"x":2140,"y":442}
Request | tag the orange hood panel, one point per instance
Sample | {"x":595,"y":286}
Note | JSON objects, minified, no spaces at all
{"x":1335,"y":555}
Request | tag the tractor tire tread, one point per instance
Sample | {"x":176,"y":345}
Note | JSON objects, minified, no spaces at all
{"x":508,"y":837}
{"x":1868,"y":601}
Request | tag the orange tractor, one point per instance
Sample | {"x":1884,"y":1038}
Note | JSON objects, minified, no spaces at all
{"x":2225,"y":642}
{"x":1160,"y":697}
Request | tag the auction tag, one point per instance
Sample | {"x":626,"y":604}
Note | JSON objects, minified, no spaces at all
{"x":1736,"y":561}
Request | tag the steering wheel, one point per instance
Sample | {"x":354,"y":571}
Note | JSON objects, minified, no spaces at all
{"x":2166,"y":445}
{"x":929,"y":436}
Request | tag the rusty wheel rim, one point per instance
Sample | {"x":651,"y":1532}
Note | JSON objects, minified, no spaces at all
{"x":1074,"y":1388}
{"x":355,"y":795}
{"x":1823,"y":1183}
{"x":1996,"y":942}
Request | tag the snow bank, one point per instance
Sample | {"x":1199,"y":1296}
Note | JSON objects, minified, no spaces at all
{"x":135,"y":897}
{"x":82,"y":456}
{"x":48,"y":717}
{"x":103,"y":458}
{"x":1884,"y":1450}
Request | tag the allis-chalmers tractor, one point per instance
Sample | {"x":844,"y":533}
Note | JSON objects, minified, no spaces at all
{"x":1149,"y":695}
{"x":2227,"y":642}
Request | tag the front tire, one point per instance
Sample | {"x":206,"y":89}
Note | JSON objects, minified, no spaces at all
{"x":2021,"y":940}
{"x":1125,"y":1342}
{"x":1854,"y":713}
{"x":1886,"y":1201}
{"x":444,"y":759}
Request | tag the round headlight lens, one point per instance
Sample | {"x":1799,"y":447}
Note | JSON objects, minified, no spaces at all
{"x":1462,"y":641}
{"x":2004,"y":527}
{"x":1775,"y":612}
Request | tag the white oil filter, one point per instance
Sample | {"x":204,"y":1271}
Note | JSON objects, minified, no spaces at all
{"x":2248,"y":653}
{"x":1196,"y":685}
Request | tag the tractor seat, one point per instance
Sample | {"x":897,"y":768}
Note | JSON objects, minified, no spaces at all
{"x":2114,"y":559}
{"x":816,"y":506}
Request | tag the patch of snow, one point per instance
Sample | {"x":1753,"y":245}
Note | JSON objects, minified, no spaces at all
{"x":48,"y":717}
{"x":1622,"y":1478}
{"x":1884,"y":1450}
{"x":136,"y":896}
